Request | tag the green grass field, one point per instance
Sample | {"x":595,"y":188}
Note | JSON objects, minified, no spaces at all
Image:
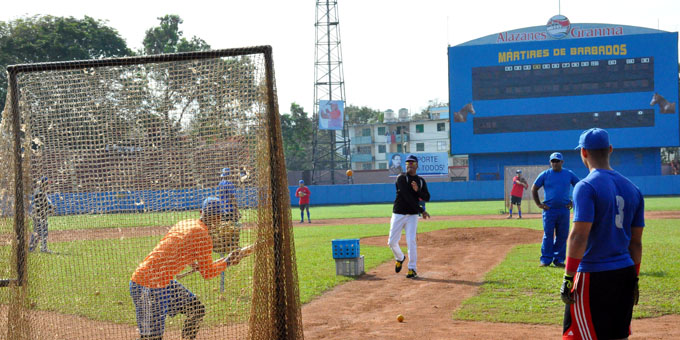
{"x":82,"y":279}
{"x":132,"y":220}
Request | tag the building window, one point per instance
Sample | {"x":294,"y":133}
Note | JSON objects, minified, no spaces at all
{"x":420,"y":128}
{"x":381,"y":130}
{"x":400,"y":148}
{"x":366,"y":166}
{"x":441,"y":127}
{"x":382,"y":166}
{"x":382,"y":149}
{"x":441,"y":145}
{"x":420,"y":146}
{"x":402,"y":129}
{"x":366,"y":132}
{"x":364,"y":149}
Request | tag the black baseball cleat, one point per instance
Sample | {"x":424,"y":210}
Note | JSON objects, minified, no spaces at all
{"x":411,"y":274}
{"x":398,"y":265}
{"x":559,"y":265}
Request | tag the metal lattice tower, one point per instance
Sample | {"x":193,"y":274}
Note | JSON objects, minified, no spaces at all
{"x":330,"y":149}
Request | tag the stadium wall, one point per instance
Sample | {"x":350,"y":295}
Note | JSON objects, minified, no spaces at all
{"x":180,"y":200}
{"x":629,"y":162}
{"x":455,"y":191}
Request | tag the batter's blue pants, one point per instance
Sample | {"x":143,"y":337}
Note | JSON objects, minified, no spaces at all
{"x":555,"y":233}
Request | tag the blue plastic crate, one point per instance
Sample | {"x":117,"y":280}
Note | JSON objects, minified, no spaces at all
{"x":346,"y":249}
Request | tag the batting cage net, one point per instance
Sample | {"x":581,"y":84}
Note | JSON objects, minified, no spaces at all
{"x":146,"y":197}
{"x":529,"y":174}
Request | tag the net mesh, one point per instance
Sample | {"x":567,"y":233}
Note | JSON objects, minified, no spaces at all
{"x":529,"y":173}
{"x":132,"y":170}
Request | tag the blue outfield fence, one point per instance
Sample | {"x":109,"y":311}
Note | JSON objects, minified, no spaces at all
{"x":454,"y":191}
{"x":141,"y":201}
{"x":191,"y":199}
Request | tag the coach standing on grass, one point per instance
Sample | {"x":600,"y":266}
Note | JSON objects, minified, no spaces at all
{"x":555,"y":182}
{"x":410,"y":187}
{"x":604,"y":249}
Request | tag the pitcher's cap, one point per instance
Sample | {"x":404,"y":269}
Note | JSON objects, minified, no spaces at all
{"x":412,"y":158}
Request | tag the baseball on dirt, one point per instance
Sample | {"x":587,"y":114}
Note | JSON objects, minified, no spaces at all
{"x":400,"y":318}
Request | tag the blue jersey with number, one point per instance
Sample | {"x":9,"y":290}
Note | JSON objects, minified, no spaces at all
{"x":556,"y":185}
{"x":613,"y":204}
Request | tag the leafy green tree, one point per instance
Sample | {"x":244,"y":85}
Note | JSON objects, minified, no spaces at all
{"x":361,"y":115}
{"x":426,"y":113}
{"x":297,"y":130}
{"x":167,"y":38}
{"x":49,"y":38}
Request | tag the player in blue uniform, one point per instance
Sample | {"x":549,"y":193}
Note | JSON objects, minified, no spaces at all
{"x":227,"y":195}
{"x":555,"y":182}
{"x":604,"y":248}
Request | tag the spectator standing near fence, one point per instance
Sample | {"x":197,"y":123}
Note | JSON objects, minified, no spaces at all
{"x":303,"y":193}
{"x":604,"y":250}
{"x":519,"y":183}
{"x":555,"y":182}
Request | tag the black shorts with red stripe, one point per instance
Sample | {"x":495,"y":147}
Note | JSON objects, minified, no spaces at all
{"x":603,"y":307}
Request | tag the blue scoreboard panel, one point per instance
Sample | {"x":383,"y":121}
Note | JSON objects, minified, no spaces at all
{"x":539,"y":95}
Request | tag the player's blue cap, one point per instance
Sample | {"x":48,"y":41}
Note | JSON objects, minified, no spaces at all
{"x":556,"y":155}
{"x":212,"y":206}
{"x":518,"y":171}
{"x":225,"y":172}
{"x":594,"y":138}
{"x":301,"y":182}
{"x":412,"y":158}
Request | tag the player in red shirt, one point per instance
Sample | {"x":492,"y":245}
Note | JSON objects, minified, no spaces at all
{"x":518,"y":186}
{"x":303,"y":193}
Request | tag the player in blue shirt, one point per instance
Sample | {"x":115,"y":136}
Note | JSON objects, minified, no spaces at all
{"x":604,"y":248}
{"x":556,"y":183}
{"x":227,"y":194}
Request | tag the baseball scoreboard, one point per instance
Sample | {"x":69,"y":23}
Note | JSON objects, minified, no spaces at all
{"x":536,"y":89}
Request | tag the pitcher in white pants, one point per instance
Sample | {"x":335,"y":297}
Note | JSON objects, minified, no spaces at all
{"x":398,"y":223}
{"x":410,"y":189}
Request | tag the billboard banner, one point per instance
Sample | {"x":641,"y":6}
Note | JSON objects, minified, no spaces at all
{"x":429,"y":164}
{"x":331,"y":114}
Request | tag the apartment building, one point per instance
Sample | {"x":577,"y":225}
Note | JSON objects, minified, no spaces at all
{"x":371,"y":143}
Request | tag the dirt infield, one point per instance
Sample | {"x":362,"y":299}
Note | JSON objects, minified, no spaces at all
{"x":122,"y":233}
{"x":452,"y":264}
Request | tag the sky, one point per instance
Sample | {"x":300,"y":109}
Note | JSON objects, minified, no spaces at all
{"x":394,"y":51}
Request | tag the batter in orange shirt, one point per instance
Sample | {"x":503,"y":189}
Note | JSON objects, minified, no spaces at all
{"x":154,"y":291}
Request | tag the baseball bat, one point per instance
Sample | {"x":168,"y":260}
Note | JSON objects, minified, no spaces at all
{"x":241,"y":253}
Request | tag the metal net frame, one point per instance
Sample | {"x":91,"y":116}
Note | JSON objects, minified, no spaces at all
{"x":121,"y":177}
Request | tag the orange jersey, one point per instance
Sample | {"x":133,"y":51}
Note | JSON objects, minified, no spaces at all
{"x":187,"y":242}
